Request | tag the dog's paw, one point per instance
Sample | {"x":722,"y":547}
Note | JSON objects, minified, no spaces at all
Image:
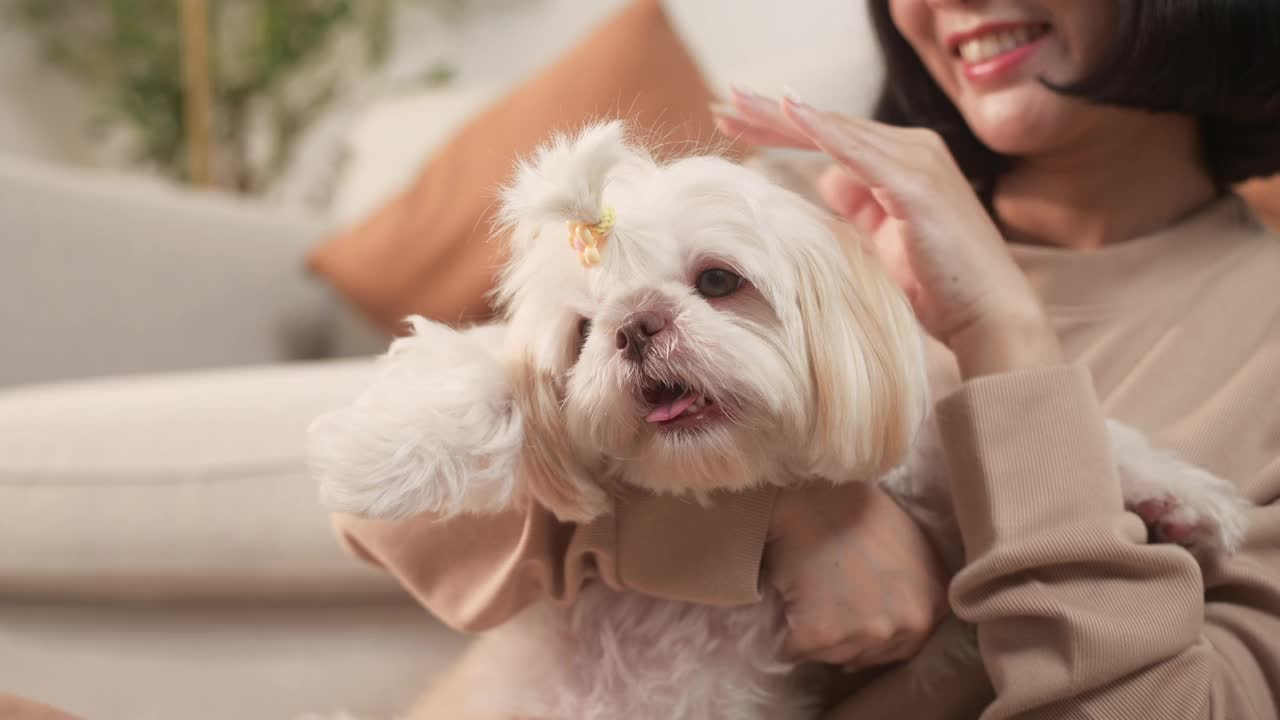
{"x":374,"y":496}
{"x":435,"y":431}
{"x":1197,"y":510}
{"x":1179,"y":502}
{"x":1171,"y":520}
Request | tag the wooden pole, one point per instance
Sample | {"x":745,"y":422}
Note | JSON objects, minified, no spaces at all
{"x":197,"y":91}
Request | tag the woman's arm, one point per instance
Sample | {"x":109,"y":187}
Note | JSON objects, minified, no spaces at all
{"x":472,"y":571}
{"x":1076,"y":613}
{"x":476,"y":571}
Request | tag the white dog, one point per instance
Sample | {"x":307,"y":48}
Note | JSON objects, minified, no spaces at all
{"x":685,"y":328}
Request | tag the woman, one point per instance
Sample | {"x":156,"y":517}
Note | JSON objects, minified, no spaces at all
{"x":1057,"y":210}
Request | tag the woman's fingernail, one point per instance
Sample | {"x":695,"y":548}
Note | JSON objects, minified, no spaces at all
{"x":751,"y":99}
{"x":797,"y":104}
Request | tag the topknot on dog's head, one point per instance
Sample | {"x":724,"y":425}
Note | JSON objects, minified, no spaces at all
{"x":565,"y":179}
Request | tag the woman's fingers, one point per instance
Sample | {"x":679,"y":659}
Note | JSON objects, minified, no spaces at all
{"x":866,"y":649}
{"x":871,"y":162}
{"x":765,"y":121}
{"x":900,"y":165}
{"x":846,"y":653}
{"x":882,"y":157}
{"x":751,"y":118}
{"x":904,"y":190}
{"x":881,"y":176}
{"x":764,"y":112}
{"x":842,"y":192}
{"x":748,"y":132}
{"x":803,"y":643}
{"x":893,"y":255}
{"x":856,"y":144}
{"x":850,"y":199}
{"x":903,"y":144}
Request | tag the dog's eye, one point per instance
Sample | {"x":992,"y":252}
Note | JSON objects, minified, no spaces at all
{"x":717,"y":283}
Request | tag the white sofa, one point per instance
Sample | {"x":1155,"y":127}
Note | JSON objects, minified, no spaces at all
{"x":162,"y":553}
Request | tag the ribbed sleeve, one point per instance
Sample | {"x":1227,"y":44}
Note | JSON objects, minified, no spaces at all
{"x":1061,"y":458}
{"x":1059,"y":579}
{"x":477,"y":571}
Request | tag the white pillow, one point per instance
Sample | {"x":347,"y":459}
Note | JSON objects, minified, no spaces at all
{"x":390,"y":142}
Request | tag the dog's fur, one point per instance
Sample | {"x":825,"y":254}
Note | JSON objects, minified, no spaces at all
{"x":816,"y":363}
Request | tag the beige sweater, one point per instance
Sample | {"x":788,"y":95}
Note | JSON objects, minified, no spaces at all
{"x":1177,"y":334}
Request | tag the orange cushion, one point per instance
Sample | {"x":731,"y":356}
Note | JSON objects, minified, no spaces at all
{"x":429,"y":251}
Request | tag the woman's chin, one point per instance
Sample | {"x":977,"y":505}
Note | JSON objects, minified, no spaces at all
{"x":1013,"y":124}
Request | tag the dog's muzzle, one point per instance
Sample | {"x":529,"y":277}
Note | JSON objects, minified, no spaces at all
{"x":637,"y":332}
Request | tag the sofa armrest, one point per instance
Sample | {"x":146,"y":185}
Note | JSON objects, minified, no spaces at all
{"x":108,"y":275}
{"x":190,"y":484}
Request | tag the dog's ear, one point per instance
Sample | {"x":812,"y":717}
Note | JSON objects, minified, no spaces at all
{"x":549,"y":468}
{"x":866,"y":357}
{"x":436,"y":431}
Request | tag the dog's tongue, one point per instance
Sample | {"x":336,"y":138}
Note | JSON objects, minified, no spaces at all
{"x":671,"y":408}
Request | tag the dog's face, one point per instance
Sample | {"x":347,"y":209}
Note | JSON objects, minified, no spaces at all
{"x":726,"y":339}
{"x":689,"y":366}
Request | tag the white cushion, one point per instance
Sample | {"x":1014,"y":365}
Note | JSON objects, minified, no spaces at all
{"x":389,"y":143}
{"x":188,"y":483}
{"x":104,"y":274}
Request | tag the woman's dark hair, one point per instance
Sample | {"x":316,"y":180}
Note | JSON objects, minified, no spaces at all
{"x":1218,"y":60}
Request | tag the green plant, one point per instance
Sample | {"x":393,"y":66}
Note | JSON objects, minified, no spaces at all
{"x":274,"y":64}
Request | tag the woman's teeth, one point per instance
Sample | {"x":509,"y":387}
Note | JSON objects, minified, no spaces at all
{"x":998,"y":43}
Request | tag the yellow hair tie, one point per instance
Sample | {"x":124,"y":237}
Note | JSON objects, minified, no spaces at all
{"x":588,"y":239}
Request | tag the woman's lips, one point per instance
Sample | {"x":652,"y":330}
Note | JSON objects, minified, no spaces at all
{"x":990,"y":51}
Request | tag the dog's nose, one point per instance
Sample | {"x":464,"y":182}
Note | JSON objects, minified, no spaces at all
{"x":636,"y":332}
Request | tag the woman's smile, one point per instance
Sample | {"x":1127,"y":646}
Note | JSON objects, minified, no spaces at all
{"x":990,"y":52}
{"x":993,"y":59}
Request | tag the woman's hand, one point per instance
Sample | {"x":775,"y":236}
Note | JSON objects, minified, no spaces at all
{"x":902,"y":189}
{"x":861,"y":585}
